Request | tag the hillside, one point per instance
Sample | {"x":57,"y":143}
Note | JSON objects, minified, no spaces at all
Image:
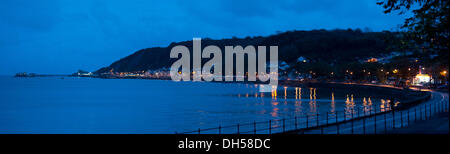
{"x":318,"y":46}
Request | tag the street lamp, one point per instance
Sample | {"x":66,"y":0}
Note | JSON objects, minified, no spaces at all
{"x":395,"y":71}
{"x":444,"y":73}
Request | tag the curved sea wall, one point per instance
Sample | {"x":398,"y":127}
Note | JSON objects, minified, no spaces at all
{"x":407,"y":97}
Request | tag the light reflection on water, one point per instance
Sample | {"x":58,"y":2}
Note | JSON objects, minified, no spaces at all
{"x":86,"y":105}
{"x":350,"y":104}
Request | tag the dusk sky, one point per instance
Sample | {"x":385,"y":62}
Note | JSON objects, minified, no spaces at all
{"x":62,"y":36}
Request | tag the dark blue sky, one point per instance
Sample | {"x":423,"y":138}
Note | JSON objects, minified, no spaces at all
{"x":61,"y":36}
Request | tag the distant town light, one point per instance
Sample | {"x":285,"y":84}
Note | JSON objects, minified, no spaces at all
{"x":395,"y":71}
{"x":371,"y":60}
{"x":444,"y":73}
{"x":421,"y":78}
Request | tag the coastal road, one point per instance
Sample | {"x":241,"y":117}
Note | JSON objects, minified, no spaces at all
{"x":392,"y":122}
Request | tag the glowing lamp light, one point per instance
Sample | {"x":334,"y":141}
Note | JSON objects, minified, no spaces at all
{"x":371,"y":60}
{"x":395,"y":71}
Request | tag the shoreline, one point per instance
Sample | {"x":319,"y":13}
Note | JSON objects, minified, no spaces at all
{"x":394,"y":91}
{"x":399,"y":93}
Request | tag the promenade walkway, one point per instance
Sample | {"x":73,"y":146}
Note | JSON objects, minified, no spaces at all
{"x":430,"y":117}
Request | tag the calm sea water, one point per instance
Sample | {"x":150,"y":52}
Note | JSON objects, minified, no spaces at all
{"x":89,"y":105}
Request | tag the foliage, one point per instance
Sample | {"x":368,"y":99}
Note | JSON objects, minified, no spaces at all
{"x":327,"y":48}
{"x":428,"y":26}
